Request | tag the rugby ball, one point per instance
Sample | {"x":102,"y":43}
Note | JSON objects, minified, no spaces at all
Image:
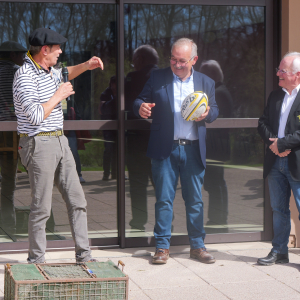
{"x":194,"y":105}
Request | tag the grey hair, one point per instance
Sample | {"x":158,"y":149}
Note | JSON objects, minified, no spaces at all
{"x":37,"y":49}
{"x":147,"y":54}
{"x":296,"y":62}
{"x":186,"y":42}
{"x":212,"y":69}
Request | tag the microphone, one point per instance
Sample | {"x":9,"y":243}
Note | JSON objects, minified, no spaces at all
{"x":65,"y":74}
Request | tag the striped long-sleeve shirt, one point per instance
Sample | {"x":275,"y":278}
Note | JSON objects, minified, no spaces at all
{"x":32,"y":87}
{"x":7,"y":73}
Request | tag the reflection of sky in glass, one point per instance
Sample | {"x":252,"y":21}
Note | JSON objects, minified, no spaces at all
{"x":83,"y":24}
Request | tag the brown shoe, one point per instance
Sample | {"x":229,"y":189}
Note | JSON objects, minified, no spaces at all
{"x":202,"y":255}
{"x":161,"y":256}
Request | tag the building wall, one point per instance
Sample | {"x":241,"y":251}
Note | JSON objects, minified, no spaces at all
{"x":290,"y":26}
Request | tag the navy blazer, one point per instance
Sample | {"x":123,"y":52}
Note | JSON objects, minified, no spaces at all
{"x":159,"y":90}
{"x":268,"y":126}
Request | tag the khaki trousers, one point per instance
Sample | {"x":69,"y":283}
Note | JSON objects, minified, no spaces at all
{"x":48,"y":159}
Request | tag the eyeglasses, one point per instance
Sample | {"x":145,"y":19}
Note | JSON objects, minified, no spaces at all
{"x":282,"y":71}
{"x":181,"y":63}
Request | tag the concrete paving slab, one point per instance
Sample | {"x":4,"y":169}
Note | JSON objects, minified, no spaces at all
{"x":227,"y":269}
{"x":13,"y":258}
{"x":249,"y":245}
{"x":191,"y":293}
{"x":133,"y":286}
{"x":136,"y":295}
{"x":217,"y":247}
{"x":293,"y":283}
{"x":250,"y":256}
{"x":122,"y":252}
{"x":61,"y":255}
{"x":149,"y":276}
{"x":288,"y":274}
{"x":295,"y":251}
{"x":258,"y":290}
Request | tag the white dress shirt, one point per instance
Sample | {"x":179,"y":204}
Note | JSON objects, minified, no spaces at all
{"x":286,"y":108}
{"x":183,"y":129}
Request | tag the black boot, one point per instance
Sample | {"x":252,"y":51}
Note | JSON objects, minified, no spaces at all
{"x":274,"y":258}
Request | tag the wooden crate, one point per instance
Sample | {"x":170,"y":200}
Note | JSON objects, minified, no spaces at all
{"x":65,"y":281}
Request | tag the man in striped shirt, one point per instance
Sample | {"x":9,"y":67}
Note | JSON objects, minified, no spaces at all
{"x":38,"y":91}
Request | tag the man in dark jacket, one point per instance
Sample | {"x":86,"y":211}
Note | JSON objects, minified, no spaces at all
{"x":218,"y":150}
{"x":280,"y":129}
{"x":109,"y":111}
{"x":177,"y":147}
{"x":145,"y":60}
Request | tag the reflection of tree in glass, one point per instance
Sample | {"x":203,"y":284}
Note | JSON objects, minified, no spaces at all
{"x":232,"y":35}
{"x":90,"y":29}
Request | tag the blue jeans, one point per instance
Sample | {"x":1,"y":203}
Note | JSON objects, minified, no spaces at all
{"x":280,"y":185}
{"x":184,"y":161}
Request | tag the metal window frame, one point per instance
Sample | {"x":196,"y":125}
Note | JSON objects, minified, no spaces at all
{"x":272,"y":57}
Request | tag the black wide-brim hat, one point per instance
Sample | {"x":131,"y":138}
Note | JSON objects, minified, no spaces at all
{"x":45,"y":36}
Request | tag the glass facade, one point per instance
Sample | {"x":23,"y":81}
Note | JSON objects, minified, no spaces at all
{"x":232,"y":51}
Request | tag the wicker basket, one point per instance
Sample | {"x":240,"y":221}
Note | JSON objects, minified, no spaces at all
{"x":84,"y":281}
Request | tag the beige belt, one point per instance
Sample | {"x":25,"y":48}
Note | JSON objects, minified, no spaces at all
{"x":49,"y":133}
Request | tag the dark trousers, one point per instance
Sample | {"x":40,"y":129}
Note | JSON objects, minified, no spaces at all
{"x":8,"y":184}
{"x":110,"y":154}
{"x":216,"y":187}
{"x":139,"y":170}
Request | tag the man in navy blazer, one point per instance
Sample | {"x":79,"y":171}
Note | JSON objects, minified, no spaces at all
{"x":177,"y":147}
{"x":280,"y":129}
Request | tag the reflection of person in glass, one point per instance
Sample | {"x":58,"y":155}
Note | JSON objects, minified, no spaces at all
{"x":11,"y":58}
{"x":74,"y":114}
{"x":108,"y":111}
{"x":145,"y":60}
{"x":217,"y":149}
{"x":279,"y":127}
{"x":38,"y":91}
{"x":177,"y":147}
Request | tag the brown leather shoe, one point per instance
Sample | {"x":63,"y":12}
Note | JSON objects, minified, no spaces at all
{"x":202,"y":255}
{"x":161,"y":256}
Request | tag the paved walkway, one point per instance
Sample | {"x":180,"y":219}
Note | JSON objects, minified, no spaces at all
{"x":235,"y":275}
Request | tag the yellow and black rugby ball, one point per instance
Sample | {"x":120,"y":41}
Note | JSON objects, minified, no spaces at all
{"x":194,"y":105}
